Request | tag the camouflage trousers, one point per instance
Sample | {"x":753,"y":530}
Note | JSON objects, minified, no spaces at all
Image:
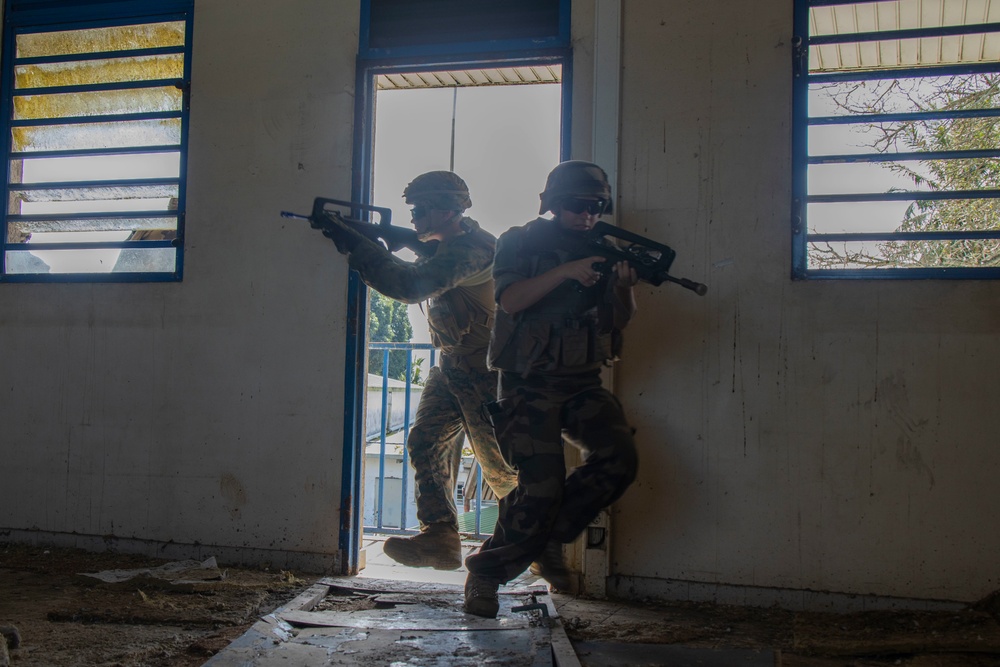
{"x":533,"y":418}
{"x":452,"y":406}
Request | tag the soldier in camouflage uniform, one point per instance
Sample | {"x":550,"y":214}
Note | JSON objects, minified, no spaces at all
{"x":457,"y":283}
{"x":559,"y":322}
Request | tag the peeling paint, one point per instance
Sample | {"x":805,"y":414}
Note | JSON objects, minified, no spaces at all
{"x":232,"y":490}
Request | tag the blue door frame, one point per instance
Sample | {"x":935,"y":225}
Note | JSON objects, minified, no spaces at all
{"x":352,"y":485}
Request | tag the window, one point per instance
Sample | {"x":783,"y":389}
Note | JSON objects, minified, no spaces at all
{"x":896,"y":164}
{"x":95,"y":139}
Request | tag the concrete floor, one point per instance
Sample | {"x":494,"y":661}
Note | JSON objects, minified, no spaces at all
{"x":588,"y":654}
{"x":406,"y":617}
{"x":410,"y":617}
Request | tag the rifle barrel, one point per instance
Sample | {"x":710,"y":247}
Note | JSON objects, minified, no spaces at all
{"x":698,"y":288}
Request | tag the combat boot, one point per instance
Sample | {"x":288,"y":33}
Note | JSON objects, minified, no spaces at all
{"x":551,"y":567}
{"x":481,"y":596}
{"x":438,"y":546}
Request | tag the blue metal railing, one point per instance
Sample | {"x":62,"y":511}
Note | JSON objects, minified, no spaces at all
{"x":382,"y":421}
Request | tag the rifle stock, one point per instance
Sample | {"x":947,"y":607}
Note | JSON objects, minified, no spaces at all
{"x":327,"y":212}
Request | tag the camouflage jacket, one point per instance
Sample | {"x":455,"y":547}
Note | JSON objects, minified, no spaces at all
{"x":569,"y":330}
{"x":456,"y":282}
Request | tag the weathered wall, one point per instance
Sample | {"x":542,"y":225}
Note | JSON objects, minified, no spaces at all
{"x":824,"y":436}
{"x":207,"y":411}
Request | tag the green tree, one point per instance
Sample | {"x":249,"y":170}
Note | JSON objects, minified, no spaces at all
{"x":952,"y":93}
{"x":388,"y":321}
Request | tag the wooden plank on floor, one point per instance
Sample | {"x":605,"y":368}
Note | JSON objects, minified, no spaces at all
{"x":373,"y":622}
{"x":408,"y":617}
{"x":319,"y":647}
{"x":308,"y":598}
{"x":563,"y":653}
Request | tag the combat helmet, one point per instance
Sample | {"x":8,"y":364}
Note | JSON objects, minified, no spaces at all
{"x":575,"y":178}
{"x":440,"y":189}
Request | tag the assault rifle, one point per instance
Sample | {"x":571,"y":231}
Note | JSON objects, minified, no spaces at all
{"x":325,"y":216}
{"x":651,"y":260}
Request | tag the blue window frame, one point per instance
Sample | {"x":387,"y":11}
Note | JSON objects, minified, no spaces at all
{"x":896,"y":139}
{"x":95,"y":98}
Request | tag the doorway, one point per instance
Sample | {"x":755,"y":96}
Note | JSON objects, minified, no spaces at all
{"x":502,"y":131}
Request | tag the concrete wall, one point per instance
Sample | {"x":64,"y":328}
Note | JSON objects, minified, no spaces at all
{"x":794,"y":436}
{"x":206,"y":412}
{"x":823,"y":436}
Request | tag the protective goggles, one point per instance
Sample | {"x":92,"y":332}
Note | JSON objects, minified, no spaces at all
{"x":419,"y":211}
{"x":591,"y":206}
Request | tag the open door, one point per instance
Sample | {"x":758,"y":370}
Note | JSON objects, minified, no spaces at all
{"x":502,"y":138}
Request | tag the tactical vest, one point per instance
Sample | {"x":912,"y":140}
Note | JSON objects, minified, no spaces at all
{"x":567,"y":331}
{"x":461,"y":318}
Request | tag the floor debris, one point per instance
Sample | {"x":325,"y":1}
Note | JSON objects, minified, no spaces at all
{"x":352,"y":621}
{"x":184,"y":575}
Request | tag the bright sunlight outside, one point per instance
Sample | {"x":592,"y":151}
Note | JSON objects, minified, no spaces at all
{"x":69,"y":170}
{"x":506,"y":141}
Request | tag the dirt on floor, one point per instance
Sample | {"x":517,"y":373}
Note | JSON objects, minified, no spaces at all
{"x":74,"y":608}
{"x":67,"y":617}
{"x":963,"y":638}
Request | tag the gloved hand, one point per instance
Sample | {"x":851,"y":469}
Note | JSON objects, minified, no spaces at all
{"x":345,"y":238}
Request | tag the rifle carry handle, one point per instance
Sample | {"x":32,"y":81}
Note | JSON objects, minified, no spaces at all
{"x":320,"y":209}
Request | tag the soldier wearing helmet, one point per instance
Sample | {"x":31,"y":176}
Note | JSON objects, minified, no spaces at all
{"x":558,"y":323}
{"x":441,"y":191}
{"x":457,"y":285}
{"x":575,"y":178}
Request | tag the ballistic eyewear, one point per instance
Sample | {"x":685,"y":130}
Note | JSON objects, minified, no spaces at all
{"x":591,"y":206}
{"x":419,"y":211}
